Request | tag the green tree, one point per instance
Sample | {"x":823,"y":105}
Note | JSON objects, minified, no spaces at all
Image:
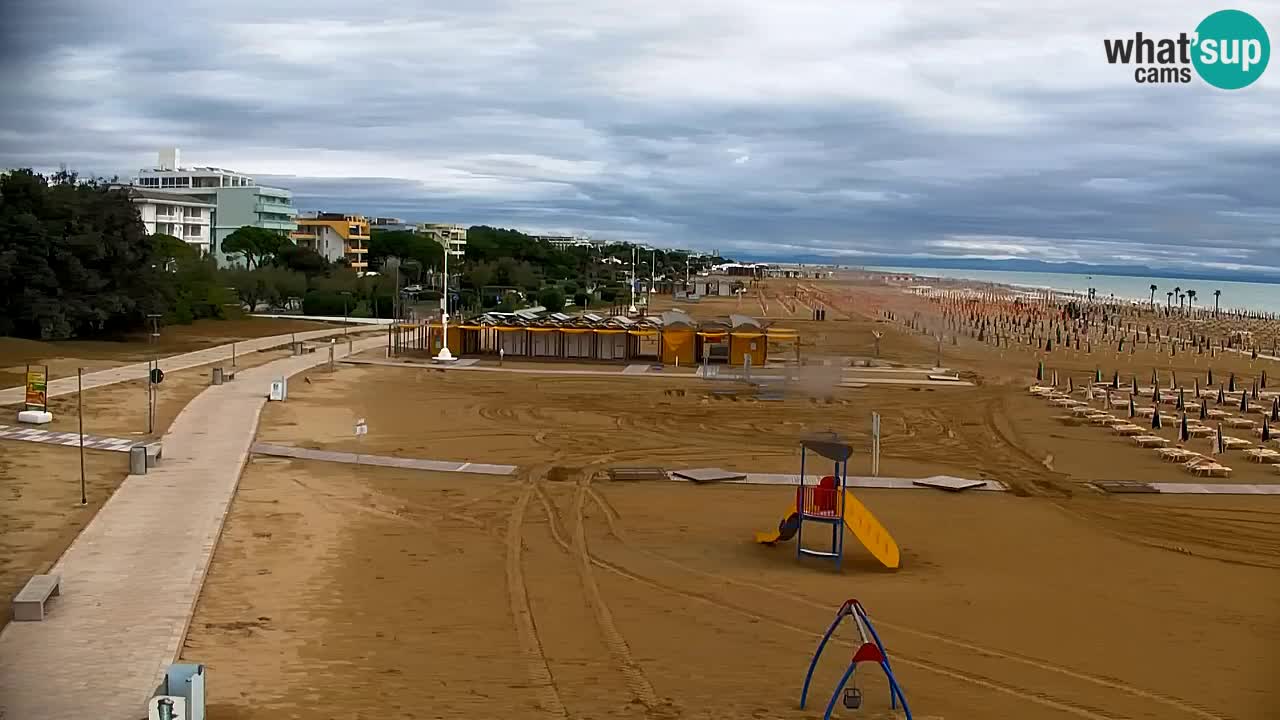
{"x":75,"y":260}
{"x":551,"y":298}
{"x":301,"y":259}
{"x":406,"y":245}
{"x":581,"y":299}
{"x":258,"y":245}
{"x":510,"y":303}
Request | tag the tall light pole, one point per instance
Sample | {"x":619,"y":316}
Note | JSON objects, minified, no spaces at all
{"x":632,"y":310}
{"x":445,"y":355}
{"x":84,"y":498}
{"x":653,"y":276}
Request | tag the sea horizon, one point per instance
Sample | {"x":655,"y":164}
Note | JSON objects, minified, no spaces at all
{"x":1236,"y":295}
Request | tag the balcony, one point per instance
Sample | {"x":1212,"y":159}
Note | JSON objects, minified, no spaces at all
{"x":358,"y":264}
{"x":357,"y":250}
{"x":277,"y":208}
{"x":270,"y":224}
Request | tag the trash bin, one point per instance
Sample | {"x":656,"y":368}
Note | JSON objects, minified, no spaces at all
{"x":217,"y":376}
{"x":138,"y":460}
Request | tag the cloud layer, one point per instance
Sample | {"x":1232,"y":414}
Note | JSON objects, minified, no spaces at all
{"x":760,"y":128}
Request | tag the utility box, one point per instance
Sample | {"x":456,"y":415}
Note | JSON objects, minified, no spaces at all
{"x":184,"y":681}
{"x":217,"y":376}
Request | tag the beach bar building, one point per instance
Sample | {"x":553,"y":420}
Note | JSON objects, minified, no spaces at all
{"x":673,"y":338}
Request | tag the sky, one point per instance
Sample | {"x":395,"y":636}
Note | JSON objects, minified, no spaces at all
{"x":760,"y":128}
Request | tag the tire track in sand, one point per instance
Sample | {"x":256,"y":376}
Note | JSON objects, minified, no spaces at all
{"x":641,"y":689}
{"x":522,"y":613}
{"x":611,"y":516}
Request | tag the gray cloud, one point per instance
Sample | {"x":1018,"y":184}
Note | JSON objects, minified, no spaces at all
{"x":758,"y":127}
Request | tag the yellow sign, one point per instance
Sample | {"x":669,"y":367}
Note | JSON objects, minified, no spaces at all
{"x":37,"y":389}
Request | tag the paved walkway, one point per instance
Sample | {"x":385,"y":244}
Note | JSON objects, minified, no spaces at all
{"x":131,"y":579}
{"x":382,"y":460}
{"x":91,"y":442}
{"x":137,"y":371}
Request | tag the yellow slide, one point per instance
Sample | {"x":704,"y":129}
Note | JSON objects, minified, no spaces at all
{"x":864,"y":526}
{"x":870,"y":532}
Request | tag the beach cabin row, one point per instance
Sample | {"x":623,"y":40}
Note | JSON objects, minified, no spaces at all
{"x":673,"y":338}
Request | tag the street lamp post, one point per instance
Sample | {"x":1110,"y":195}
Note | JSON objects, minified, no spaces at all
{"x":444,"y":355}
{"x":345,"y":294}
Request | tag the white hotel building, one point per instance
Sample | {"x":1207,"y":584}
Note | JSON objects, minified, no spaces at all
{"x":182,"y":216}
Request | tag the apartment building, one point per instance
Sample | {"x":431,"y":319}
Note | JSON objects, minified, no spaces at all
{"x":452,"y":237}
{"x":182,"y":216}
{"x":335,"y":236}
{"x":562,"y":242}
{"x":237,"y":199}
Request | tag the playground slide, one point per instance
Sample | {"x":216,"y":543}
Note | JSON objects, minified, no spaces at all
{"x":864,"y":526}
{"x":785,"y":531}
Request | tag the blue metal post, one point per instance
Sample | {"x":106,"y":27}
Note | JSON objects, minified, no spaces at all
{"x":800,"y":508}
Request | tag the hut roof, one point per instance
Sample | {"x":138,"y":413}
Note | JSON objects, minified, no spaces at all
{"x":737,"y":321}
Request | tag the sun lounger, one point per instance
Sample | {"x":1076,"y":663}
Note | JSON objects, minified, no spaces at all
{"x":1127,"y":429}
{"x":1236,"y":422}
{"x":1105,"y":419}
{"x":1064,"y":402}
{"x":1263,"y":455}
{"x":1068,"y":419}
{"x":1197,"y":431}
{"x":1145,"y":412}
{"x":1217,"y":414}
{"x":1234,"y":443}
{"x":1149,"y":441}
{"x":1180,"y":455}
{"x":1204,"y":467}
{"x":1084,"y":410}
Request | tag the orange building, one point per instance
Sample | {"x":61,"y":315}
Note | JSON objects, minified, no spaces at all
{"x":335,"y":236}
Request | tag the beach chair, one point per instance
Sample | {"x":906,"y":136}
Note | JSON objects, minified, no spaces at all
{"x":1149,"y":441}
{"x":1176,"y":454}
{"x":1040,"y":389}
{"x":1235,"y":443}
{"x":1145,"y":412}
{"x":1239,"y":422}
{"x":1104,"y":419}
{"x":1199,"y":431}
{"x":1205,"y":467}
{"x":1125,"y":429}
{"x":1217,"y":414}
{"x":1263,"y":455}
{"x":1068,"y":419}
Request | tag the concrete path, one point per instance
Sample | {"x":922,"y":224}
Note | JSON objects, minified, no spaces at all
{"x":382,"y":460}
{"x":91,"y":442}
{"x":137,"y":371}
{"x":131,"y":579}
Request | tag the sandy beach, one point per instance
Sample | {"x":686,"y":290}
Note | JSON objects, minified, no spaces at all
{"x":556,"y":592}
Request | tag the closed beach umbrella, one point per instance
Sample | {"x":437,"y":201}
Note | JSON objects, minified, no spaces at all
{"x":1210,"y":377}
{"x":1255,"y":390}
{"x":1264,"y":379}
{"x":1222,"y":444}
{"x":1071,"y":385}
{"x":1173,"y":379}
{"x":1155,"y":378}
{"x":1266,"y":431}
{"x":1222,"y":396}
{"x":1135,"y":384}
{"x":1097,"y":374}
{"x":1155,"y":396}
{"x":1115,"y":381}
{"x":1155,"y":419}
{"x":1231,"y":383}
{"x":1182,"y":400}
{"x":1197,"y":388}
{"x":1183,"y":434}
{"x":1275,"y":410}
{"x":1055,"y":378}
{"x":1132,"y":410}
{"x":1039,"y":371}
{"x":1204,"y":411}
{"x":1244,"y":402}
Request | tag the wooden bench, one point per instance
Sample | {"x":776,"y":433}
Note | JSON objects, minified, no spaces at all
{"x":29,"y":603}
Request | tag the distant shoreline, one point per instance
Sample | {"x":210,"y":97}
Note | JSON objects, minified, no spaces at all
{"x":1236,"y":295}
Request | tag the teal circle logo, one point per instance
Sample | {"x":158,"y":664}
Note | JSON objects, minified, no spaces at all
{"x":1232,"y":49}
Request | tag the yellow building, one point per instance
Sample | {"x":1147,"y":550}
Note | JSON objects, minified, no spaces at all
{"x":335,"y":236}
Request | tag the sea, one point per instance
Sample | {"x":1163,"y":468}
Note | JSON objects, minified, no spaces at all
{"x":1235,"y":295}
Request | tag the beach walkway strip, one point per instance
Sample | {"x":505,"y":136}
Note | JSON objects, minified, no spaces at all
{"x":381,"y":460}
{"x":138,"y":371}
{"x":131,"y":579}
{"x":70,"y":439}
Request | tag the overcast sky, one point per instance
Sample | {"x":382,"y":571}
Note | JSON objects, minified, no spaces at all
{"x":758,"y":127}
